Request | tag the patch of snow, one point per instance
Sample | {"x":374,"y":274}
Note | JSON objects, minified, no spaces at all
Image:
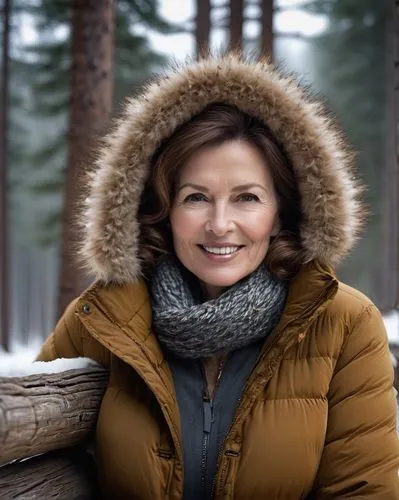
{"x":21,"y":362}
{"x":391,"y":321}
{"x":18,"y":359}
{"x":55,"y":366}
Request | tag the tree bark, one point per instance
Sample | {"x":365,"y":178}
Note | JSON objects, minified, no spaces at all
{"x":395,"y":163}
{"x":4,"y":288}
{"x":267,"y":28}
{"x":91,"y":89}
{"x":387,"y":278}
{"x":236,"y":24}
{"x":66,"y":474}
{"x":202,"y":27}
{"x":41,"y":413}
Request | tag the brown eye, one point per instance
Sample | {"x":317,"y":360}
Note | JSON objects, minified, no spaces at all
{"x":248,"y":197}
{"x":195,"y":197}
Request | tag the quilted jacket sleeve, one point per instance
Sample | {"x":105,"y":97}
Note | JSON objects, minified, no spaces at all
{"x":70,"y":339}
{"x":361,"y":454}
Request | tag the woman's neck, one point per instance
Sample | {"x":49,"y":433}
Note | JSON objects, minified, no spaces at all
{"x":211,"y":291}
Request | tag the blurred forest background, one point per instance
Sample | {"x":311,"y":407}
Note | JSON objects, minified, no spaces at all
{"x":68,"y":64}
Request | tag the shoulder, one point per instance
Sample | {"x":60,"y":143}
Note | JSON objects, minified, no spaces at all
{"x":349,"y":321}
{"x":349,"y":305}
{"x":103,"y":308}
{"x":356,"y":320}
{"x":71,"y":338}
{"x":119,"y":302}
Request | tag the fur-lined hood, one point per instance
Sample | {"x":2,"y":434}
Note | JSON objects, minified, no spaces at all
{"x":331,"y":211}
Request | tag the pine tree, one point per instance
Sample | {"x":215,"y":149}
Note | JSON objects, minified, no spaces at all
{"x":18,"y":108}
{"x":202,"y":26}
{"x":236,"y":25}
{"x":351,"y":62}
{"x":38,"y":132}
{"x":90,"y":105}
{"x":266,"y":45}
{"x":134,"y":62}
{"x":20,"y":220}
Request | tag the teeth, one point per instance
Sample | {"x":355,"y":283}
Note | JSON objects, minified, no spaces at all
{"x":221,"y":250}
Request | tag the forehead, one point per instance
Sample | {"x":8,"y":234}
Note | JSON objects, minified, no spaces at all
{"x":233,"y":161}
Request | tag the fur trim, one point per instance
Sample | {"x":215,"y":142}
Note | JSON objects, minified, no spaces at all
{"x":329,"y":192}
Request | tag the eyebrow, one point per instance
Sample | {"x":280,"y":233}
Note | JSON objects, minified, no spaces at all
{"x":242,"y":187}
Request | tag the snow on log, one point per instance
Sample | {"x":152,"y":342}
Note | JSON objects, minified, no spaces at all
{"x":45,"y":412}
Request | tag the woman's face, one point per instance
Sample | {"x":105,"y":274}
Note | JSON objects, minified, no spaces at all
{"x":223,"y":214}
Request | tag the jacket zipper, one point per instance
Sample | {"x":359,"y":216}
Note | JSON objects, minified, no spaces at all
{"x":207,"y":405}
{"x":208,"y":419}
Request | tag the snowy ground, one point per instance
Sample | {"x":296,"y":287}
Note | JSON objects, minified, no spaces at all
{"x":18,"y":361}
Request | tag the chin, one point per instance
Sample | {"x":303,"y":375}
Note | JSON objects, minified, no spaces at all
{"x":222,"y":281}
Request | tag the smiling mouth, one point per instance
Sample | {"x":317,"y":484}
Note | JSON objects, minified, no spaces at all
{"x":227,"y":250}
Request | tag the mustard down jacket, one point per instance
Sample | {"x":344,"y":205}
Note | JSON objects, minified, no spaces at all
{"x":317,"y":419}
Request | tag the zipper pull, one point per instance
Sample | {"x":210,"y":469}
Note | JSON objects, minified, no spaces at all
{"x":208,"y":414}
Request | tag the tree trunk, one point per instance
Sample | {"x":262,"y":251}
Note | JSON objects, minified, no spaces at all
{"x":41,"y":413}
{"x":202,"y":27}
{"x":4,"y":288}
{"x":267,"y":28}
{"x":236,"y":24}
{"x":395,"y":163}
{"x":387,"y":280}
{"x":91,"y":89}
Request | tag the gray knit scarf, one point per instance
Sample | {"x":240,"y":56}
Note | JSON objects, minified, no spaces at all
{"x":192,"y":328}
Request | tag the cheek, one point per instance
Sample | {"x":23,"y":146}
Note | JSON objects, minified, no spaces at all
{"x":184,"y":224}
{"x":259,"y":226}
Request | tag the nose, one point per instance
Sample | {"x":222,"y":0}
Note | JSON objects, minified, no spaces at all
{"x":220,"y":221}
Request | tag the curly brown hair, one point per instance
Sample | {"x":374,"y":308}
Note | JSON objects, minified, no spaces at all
{"x":216,"y":124}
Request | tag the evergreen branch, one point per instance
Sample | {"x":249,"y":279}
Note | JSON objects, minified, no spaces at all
{"x":49,"y":48}
{"x":146,"y":12}
{"x":50,"y":228}
{"x":49,"y":186}
{"x":48,"y":152}
{"x":51,"y":106}
{"x":51,"y":83}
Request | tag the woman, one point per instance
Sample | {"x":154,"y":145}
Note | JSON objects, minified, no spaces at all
{"x":240,"y":367}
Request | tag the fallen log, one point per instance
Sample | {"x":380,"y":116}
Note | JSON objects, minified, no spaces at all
{"x":65,"y":474}
{"x":45,"y":412}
